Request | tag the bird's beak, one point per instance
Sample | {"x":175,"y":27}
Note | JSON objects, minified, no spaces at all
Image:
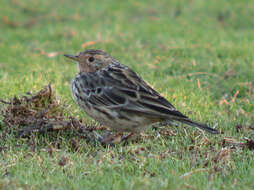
{"x":73,"y":57}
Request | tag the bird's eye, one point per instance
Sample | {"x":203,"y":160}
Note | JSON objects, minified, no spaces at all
{"x":91,"y":59}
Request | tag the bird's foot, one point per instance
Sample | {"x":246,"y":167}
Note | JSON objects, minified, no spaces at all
{"x":126,"y":138}
{"x":111,"y":139}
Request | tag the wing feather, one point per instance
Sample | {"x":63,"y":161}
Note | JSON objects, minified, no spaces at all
{"x":122,"y":89}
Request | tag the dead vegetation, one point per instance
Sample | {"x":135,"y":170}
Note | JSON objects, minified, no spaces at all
{"x":39,"y":113}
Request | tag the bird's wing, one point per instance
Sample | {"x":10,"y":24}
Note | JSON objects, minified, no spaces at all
{"x":140,"y":95}
{"x":119,"y":87}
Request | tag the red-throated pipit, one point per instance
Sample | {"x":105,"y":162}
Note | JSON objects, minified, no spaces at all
{"x":115,"y":96}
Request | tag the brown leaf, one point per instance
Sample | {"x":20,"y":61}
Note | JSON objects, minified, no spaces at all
{"x":239,"y":128}
{"x":251,"y":127}
{"x":198,"y":83}
{"x":62,"y":161}
{"x":10,"y":23}
{"x":52,"y":54}
{"x":235,"y":95}
{"x":223,"y":156}
{"x":250,"y":144}
{"x":84,"y":45}
{"x":230,"y":73}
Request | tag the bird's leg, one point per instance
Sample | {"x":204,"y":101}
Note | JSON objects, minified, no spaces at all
{"x":127,"y":137}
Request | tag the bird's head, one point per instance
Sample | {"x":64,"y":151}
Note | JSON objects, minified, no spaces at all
{"x":91,"y":60}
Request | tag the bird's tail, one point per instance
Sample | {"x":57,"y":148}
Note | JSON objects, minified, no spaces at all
{"x":199,"y":125}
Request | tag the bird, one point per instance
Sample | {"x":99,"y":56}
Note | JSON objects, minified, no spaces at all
{"x":116,"y":96}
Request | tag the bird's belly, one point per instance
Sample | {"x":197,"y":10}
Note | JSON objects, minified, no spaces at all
{"x":111,"y":118}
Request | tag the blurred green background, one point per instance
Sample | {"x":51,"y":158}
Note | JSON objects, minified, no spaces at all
{"x":198,"y":54}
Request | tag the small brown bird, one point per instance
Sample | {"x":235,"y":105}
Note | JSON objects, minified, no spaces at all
{"x":117,"y":97}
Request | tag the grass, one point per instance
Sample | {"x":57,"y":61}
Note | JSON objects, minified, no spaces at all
{"x":198,"y":54}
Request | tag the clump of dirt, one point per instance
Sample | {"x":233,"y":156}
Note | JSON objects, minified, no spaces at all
{"x":38,"y":112}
